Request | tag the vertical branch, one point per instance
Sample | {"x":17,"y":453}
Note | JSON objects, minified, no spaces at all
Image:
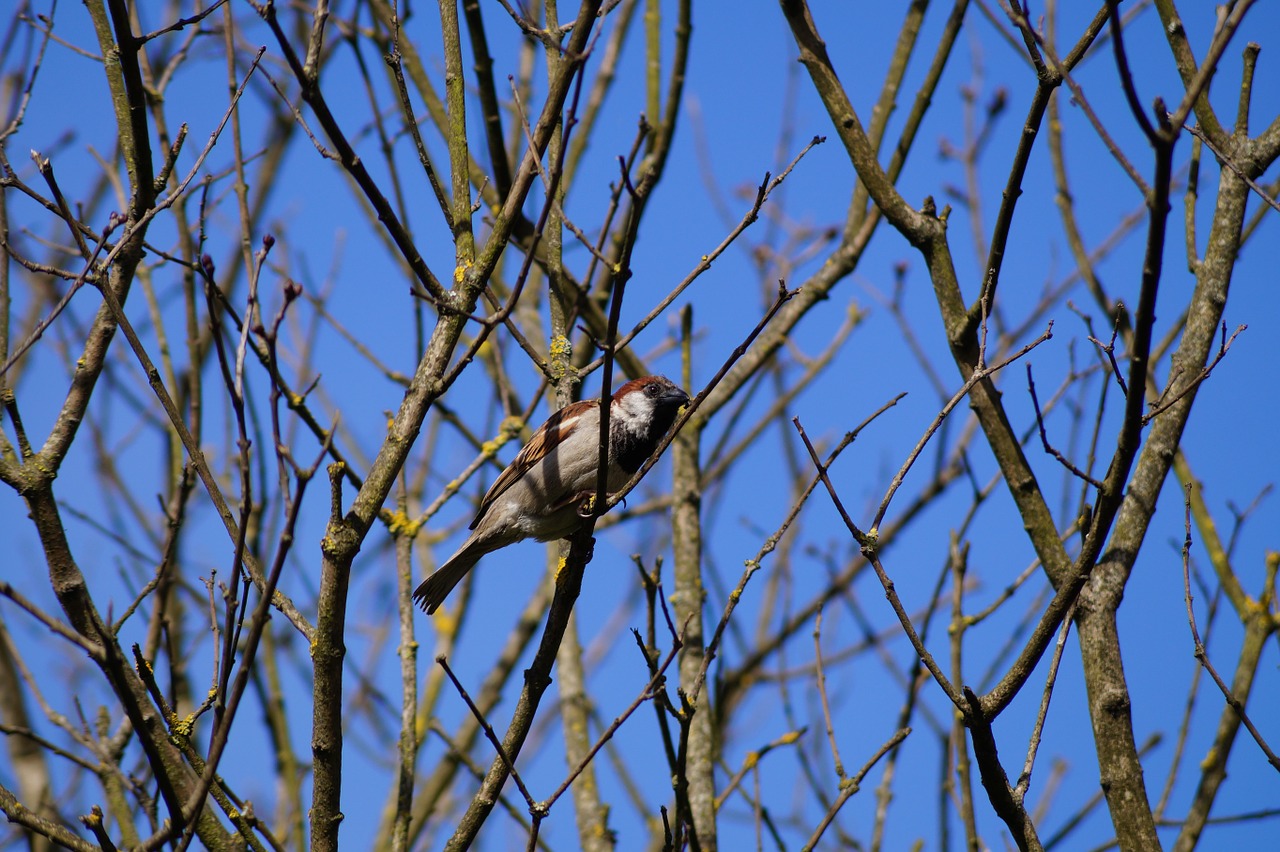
{"x":686,"y":532}
{"x":407,"y":746}
{"x":26,"y":758}
{"x":958,"y":743}
{"x":328,"y":651}
{"x":455,"y":86}
{"x":1109,"y":701}
{"x":591,"y":814}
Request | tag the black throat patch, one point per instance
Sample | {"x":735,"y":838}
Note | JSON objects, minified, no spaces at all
{"x":633,"y":447}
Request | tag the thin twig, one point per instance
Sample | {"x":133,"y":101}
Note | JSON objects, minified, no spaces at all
{"x":1202,"y":656}
{"x":488,"y":731}
{"x":1044,"y":437}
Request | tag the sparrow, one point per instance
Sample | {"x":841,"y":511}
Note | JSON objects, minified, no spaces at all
{"x":542,"y":492}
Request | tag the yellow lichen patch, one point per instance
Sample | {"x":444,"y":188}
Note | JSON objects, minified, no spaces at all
{"x":183,"y":727}
{"x":561,"y":352}
{"x":402,"y":524}
{"x":509,"y":428}
{"x":329,"y":546}
{"x":460,"y":272}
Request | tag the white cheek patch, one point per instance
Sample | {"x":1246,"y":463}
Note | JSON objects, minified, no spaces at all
{"x":636,"y":414}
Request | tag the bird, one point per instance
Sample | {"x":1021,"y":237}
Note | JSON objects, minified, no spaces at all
{"x":542,"y":492}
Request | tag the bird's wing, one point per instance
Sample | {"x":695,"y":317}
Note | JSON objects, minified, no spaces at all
{"x":550,"y":435}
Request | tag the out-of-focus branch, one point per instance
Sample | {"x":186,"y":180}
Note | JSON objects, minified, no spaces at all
{"x":26,"y":755}
{"x":688,"y":600}
{"x":15,"y":811}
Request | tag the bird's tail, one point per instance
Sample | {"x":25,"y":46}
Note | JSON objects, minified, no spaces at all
{"x":433,"y":590}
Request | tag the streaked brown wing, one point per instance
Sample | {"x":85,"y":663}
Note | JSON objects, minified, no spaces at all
{"x":549,"y":435}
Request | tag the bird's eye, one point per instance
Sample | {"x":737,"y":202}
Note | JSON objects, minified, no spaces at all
{"x":652,"y":390}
